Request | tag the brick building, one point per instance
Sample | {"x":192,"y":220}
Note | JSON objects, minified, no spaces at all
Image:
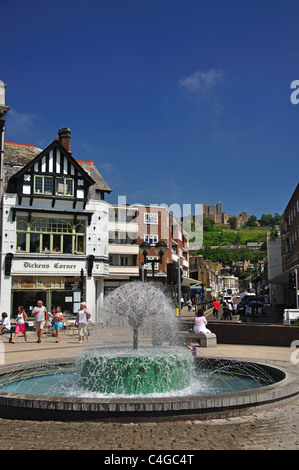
{"x":129,"y":226}
{"x":280,"y":288}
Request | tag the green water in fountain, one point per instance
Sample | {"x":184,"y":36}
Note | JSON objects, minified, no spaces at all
{"x":146,"y":371}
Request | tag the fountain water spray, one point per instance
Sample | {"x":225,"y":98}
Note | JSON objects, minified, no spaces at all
{"x":146,"y":306}
{"x":142,"y":371}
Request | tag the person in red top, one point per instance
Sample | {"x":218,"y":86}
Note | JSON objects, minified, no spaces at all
{"x":216,"y":306}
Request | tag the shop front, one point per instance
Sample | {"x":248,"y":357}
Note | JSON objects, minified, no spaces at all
{"x":56,"y":282}
{"x":65,"y":291}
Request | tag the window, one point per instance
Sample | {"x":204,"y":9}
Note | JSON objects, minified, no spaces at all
{"x":150,"y":218}
{"x":151,"y":239}
{"x":124,"y":261}
{"x":149,"y":265}
{"x":43,"y":185}
{"x":43,"y":235}
{"x":64,"y":187}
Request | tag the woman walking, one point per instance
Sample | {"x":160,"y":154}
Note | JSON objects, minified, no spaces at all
{"x":20,"y":325}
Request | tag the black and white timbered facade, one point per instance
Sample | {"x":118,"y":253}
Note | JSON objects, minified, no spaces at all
{"x":54,"y":229}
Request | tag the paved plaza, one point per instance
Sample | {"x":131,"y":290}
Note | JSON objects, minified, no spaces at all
{"x":276,"y":428}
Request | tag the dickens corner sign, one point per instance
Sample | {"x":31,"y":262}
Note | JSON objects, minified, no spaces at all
{"x":45,"y":267}
{"x":54,"y":267}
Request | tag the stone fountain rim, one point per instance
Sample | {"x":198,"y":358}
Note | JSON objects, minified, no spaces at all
{"x":26,"y":406}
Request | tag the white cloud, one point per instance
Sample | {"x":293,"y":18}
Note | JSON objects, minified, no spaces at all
{"x":22,"y":125}
{"x":106,"y":166}
{"x":201,"y":83}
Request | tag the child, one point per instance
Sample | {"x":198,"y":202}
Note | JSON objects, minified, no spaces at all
{"x":57,"y":322}
{"x":192,"y":348}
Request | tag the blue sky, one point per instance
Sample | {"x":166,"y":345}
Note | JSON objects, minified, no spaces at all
{"x":176,"y":101}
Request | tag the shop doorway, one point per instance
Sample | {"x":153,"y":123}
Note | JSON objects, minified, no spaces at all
{"x":69,"y":301}
{"x":28,"y":299}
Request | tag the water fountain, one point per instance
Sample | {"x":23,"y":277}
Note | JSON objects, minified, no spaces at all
{"x":154,"y":377}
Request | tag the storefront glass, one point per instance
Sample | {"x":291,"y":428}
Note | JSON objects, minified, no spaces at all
{"x":64,"y":291}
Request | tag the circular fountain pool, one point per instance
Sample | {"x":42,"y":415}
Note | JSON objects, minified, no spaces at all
{"x":218,"y":387}
{"x":140,"y":383}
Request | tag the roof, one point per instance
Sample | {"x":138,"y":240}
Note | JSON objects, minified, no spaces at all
{"x":16,"y":156}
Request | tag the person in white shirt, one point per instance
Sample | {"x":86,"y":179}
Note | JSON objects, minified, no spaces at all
{"x":21,"y":323}
{"x":41,"y":316}
{"x":5,"y":326}
{"x":82,"y":321}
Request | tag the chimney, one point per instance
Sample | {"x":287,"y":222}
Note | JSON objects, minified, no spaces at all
{"x":64,"y":136}
{"x":2,"y":93}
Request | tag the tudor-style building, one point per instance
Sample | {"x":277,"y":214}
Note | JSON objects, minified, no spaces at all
{"x":54,"y":228}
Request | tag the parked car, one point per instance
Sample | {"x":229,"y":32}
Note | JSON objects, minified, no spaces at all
{"x":247,"y":294}
{"x":244,"y":302}
{"x":255,"y":305}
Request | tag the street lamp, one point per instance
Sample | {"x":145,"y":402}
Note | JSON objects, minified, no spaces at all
{"x":145,"y":249}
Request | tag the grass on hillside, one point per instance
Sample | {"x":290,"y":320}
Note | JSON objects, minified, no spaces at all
{"x":223,"y":235}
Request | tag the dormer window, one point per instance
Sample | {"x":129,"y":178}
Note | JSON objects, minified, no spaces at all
{"x":43,"y":185}
{"x":64,"y":187}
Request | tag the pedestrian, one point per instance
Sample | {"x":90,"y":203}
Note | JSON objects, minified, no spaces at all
{"x":224,"y":310}
{"x":189,"y":303}
{"x":200,"y":323}
{"x":57,"y":321}
{"x":230,"y":310}
{"x":21,"y":323}
{"x":5,"y":324}
{"x":82,"y":321}
{"x":216,"y":305}
{"x":182,"y":302}
{"x":40,"y":316}
{"x":51,"y":314}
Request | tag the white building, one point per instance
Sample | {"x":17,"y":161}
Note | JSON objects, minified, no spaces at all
{"x":54,"y":229}
{"x":123,"y":245}
{"x":229,"y":284}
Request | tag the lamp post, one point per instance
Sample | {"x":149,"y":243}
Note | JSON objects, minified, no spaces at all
{"x":145,"y":249}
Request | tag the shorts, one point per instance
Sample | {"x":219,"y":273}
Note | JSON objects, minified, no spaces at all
{"x":39,"y":325}
{"x":20,"y":328}
{"x":82,"y":328}
{"x":57,"y":326}
{"x":5,"y":330}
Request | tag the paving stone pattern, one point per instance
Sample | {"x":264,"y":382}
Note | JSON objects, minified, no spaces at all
{"x":275,"y":429}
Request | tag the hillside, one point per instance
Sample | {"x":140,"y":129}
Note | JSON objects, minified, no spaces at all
{"x":219,"y":237}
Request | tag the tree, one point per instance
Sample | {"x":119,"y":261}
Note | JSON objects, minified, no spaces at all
{"x":233,"y":222}
{"x":252,"y":221}
{"x":268,"y":220}
{"x":208,"y":224}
